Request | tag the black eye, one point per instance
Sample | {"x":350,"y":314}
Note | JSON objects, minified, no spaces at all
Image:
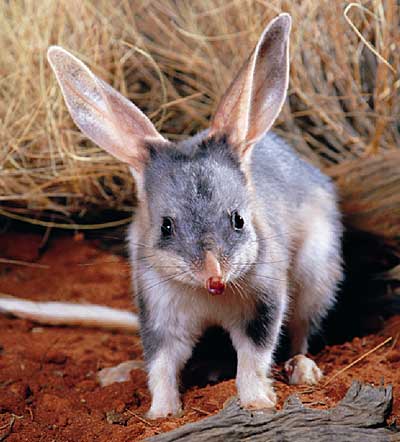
{"x":237,"y":221}
{"x":167,"y":227}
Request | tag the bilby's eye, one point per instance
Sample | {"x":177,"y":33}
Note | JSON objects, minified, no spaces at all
{"x":237,"y":221}
{"x":167,"y":227}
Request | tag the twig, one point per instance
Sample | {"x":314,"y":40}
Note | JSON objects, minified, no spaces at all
{"x":311,"y":404}
{"x":3,"y":427}
{"x":10,"y":427}
{"x":362,"y":38}
{"x":199,"y":410}
{"x":142,"y":420}
{"x":30,"y":412}
{"x":23,"y":263}
{"x":395,"y":341}
{"x":71,"y":226}
{"x":356,"y":361}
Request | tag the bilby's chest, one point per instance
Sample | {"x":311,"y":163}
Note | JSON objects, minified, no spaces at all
{"x":181,"y":308}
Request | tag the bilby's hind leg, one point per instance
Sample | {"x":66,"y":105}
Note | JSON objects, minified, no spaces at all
{"x":316,"y":272}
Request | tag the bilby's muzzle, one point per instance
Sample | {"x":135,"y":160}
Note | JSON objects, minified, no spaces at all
{"x":215,"y":284}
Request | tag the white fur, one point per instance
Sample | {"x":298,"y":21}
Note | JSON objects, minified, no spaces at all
{"x":64,"y":313}
{"x":254,"y":387}
{"x":302,"y":370}
{"x":163,"y":380}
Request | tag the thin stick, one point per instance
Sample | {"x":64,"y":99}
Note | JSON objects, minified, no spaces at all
{"x":362,"y":38}
{"x":23,"y":263}
{"x":3,"y":427}
{"x":356,"y":361}
{"x":199,"y":410}
{"x":395,"y":341}
{"x":9,"y":427}
{"x":142,"y":420}
{"x":71,"y":226}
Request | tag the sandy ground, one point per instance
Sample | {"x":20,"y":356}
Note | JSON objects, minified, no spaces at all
{"x":48,"y":386}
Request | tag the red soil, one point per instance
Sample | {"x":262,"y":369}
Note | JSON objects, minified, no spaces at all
{"x":48,"y":387}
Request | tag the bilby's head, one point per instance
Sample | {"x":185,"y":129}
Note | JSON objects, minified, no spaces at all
{"x":197,"y":194}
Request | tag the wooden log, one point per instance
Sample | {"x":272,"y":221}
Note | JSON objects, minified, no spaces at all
{"x":359,"y":417}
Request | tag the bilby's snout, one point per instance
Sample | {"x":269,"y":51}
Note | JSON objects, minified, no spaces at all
{"x":212,"y":274}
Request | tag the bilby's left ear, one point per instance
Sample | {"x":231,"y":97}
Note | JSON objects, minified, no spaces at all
{"x":254,"y":99}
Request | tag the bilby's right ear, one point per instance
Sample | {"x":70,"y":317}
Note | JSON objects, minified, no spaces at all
{"x":102,"y":113}
{"x":254,"y":99}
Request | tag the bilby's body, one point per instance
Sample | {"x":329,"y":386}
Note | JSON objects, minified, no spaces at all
{"x":290,"y":260}
{"x":232,"y":228}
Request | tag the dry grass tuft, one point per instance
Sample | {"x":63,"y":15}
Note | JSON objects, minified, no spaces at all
{"x":174,"y":60}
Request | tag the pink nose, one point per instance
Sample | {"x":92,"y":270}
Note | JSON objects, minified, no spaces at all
{"x":215,"y":286}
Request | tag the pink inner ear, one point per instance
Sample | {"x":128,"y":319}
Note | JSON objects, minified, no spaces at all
{"x":255,"y":97}
{"x":102,"y":113}
{"x":231,"y":117}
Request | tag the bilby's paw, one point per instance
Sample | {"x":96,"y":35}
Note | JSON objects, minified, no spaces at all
{"x":262,"y":399}
{"x":164,"y":409}
{"x":302,"y":370}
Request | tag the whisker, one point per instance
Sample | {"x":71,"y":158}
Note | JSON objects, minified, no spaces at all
{"x":258,"y":262}
{"x":146,"y":246}
{"x":143,"y":258}
{"x":165,"y":280}
{"x":106,"y":236}
{"x":267,"y":277}
{"x":268,"y":238}
{"x":161,"y":266}
{"x":240,"y":290}
{"x":177,"y":266}
{"x":106,"y":261}
{"x":247,"y":286}
{"x":235,"y":289}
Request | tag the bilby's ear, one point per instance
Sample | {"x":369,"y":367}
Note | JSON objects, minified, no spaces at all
{"x":102,"y":113}
{"x":254,"y":99}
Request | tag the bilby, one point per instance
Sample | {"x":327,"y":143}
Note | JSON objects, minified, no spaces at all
{"x":232,"y":227}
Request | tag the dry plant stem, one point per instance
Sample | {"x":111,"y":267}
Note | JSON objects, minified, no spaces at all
{"x":71,"y":226}
{"x":9,"y":427}
{"x":149,"y":424}
{"x":328,"y":381}
{"x":23,"y":263}
{"x":396,"y":338}
{"x":201,"y":411}
{"x":362,"y":38}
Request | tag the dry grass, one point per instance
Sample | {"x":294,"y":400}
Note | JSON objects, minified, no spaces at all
{"x":174,"y":59}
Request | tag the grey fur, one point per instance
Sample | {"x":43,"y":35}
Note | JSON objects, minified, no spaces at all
{"x":198,"y":188}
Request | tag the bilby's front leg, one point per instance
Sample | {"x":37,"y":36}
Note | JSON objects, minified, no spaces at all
{"x":255,"y":341}
{"x":164,"y":369}
{"x":168,"y":337}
